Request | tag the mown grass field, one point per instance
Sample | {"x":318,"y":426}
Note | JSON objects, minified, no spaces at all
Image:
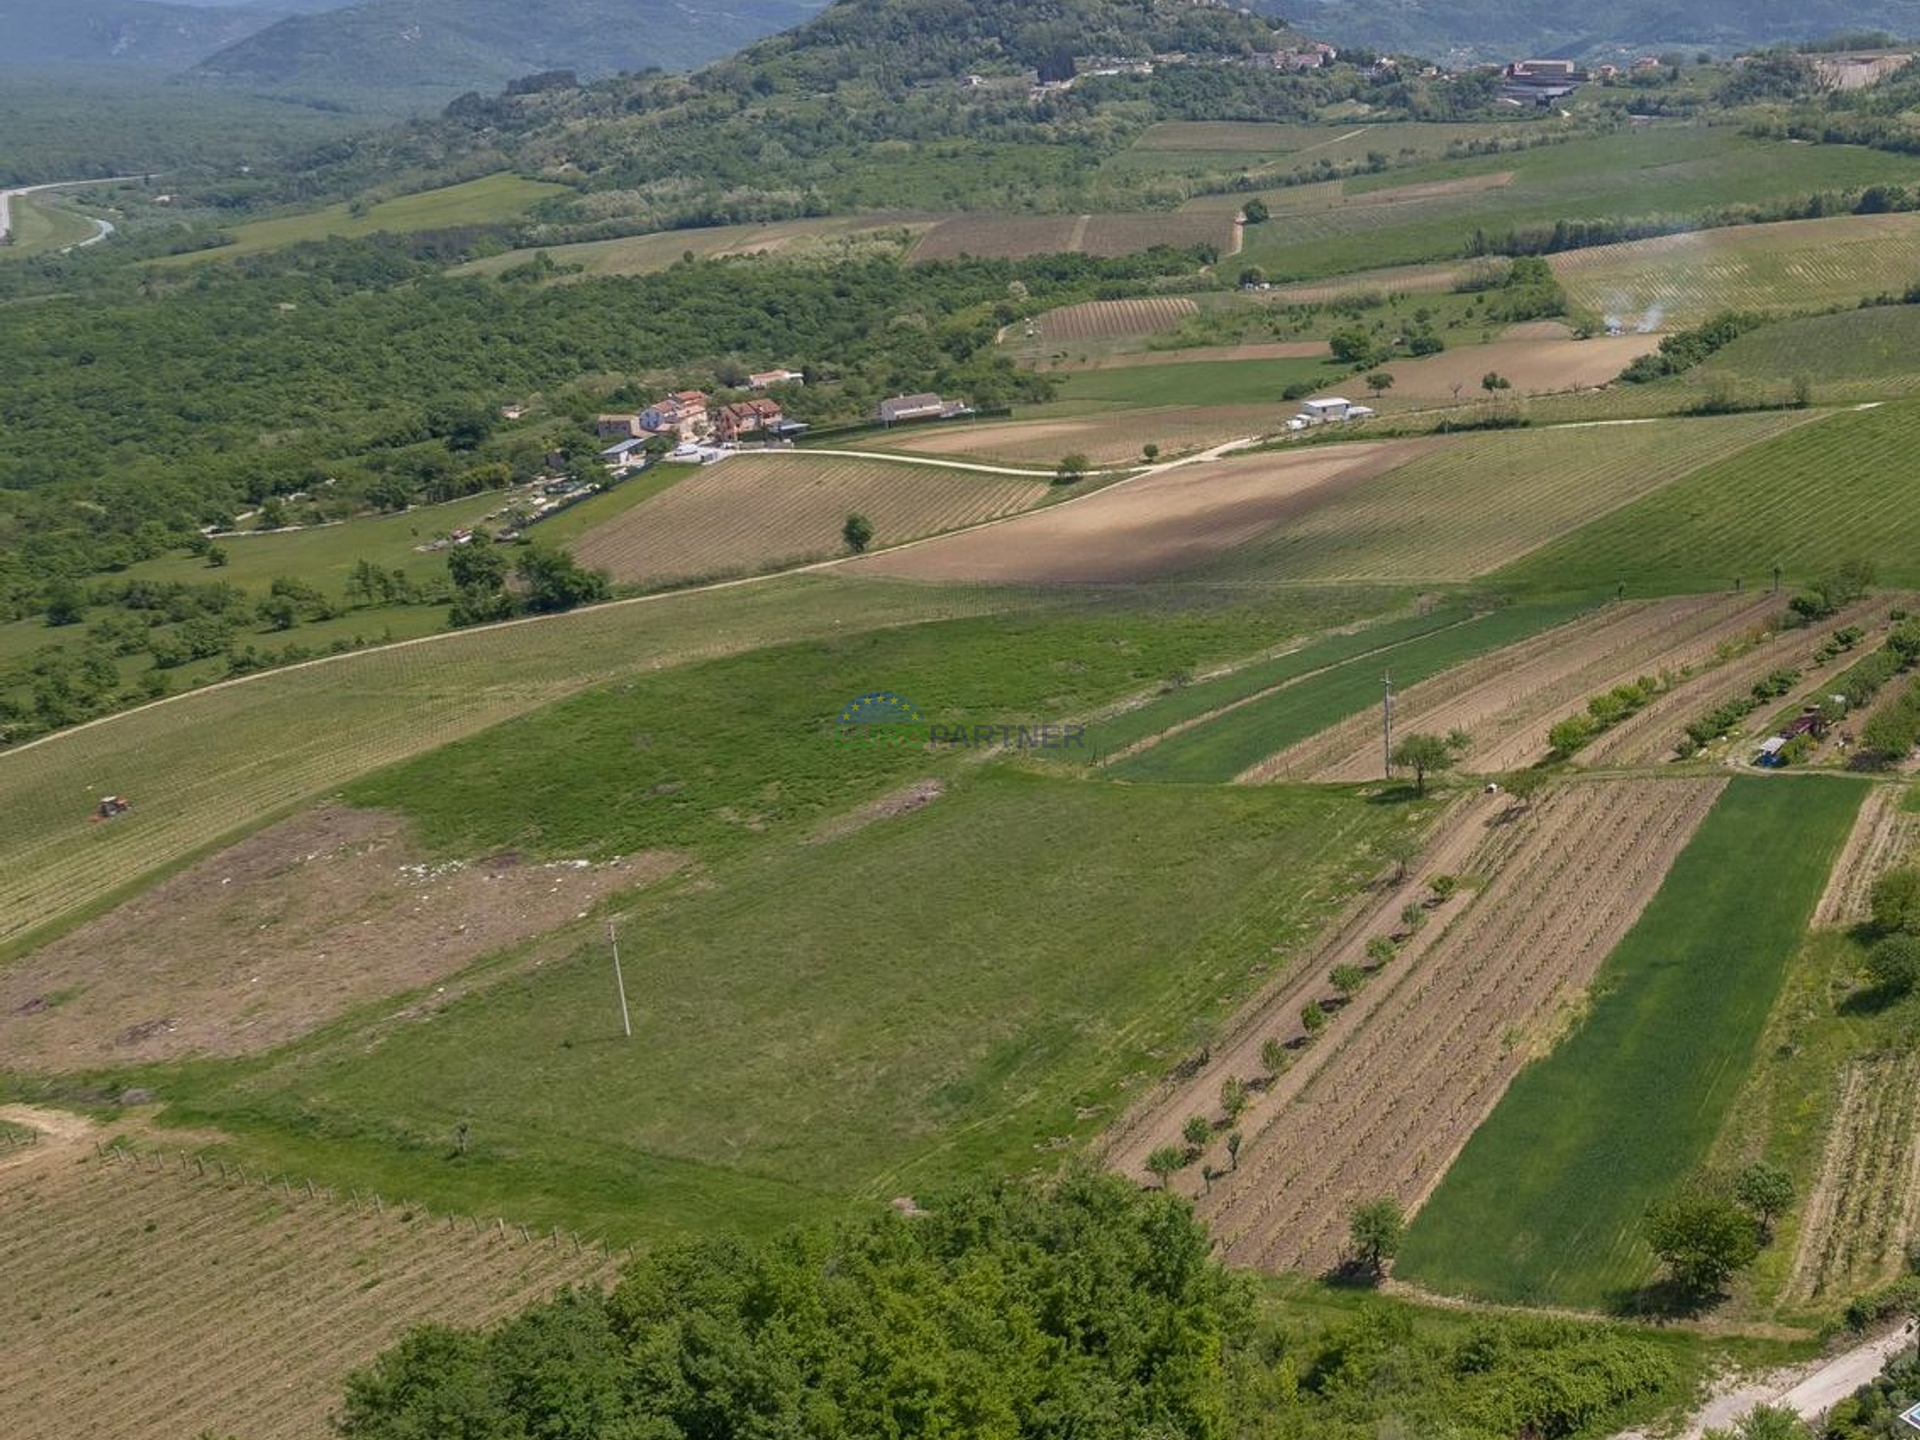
{"x":957,"y":990}
{"x":40,"y":225}
{"x":474,"y":202}
{"x":1196,"y":382}
{"x":1434,"y":518}
{"x":1835,"y":489}
{"x":1799,"y":265}
{"x":1214,"y":751}
{"x":218,"y":763}
{"x":1545,"y":1202}
{"x":1851,"y":357}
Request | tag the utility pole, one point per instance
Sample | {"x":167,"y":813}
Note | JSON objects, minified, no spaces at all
{"x":1386,"y":726}
{"x":613,"y":939}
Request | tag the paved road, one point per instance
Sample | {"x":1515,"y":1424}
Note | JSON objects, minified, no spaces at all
{"x":101,"y":233}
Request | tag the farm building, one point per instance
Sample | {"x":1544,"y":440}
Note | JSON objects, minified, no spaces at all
{"x":684,"y":412}
{"x":730,"y":422}
{"x":911,"y":407}
{"x":761,"y":379}
{"x":617,"y":427}
{"x":1319,"y":412}
{"x":623,"y":452}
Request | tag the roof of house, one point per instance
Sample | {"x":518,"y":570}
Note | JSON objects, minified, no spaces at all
{"x":903,"y":401}
{"x":623,"y":447}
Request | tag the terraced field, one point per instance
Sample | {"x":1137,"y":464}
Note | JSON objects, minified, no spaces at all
{"x":1795,"y":265}
{"x":110,"y":1265}
{"x":752,"y":512}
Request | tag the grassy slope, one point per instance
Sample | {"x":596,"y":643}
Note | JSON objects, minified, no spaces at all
{"x":1545,"y":1202}
{"x":1195,"y":382}
{"x":1215,"y":751}
{"x":473,"y":202}
{"x":1830,"y":491}
{"x":40,"y":225}
{"x":929,"y":997}
{"x":1856,"y":355}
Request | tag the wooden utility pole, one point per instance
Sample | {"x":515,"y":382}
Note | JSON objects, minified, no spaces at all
{"x":1386,"y":727}
{"x":620,"y":984}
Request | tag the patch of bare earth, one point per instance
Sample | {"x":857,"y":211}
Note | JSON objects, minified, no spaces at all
{"x":1855,"y":1224}
{"x":1383,"y":1101}
{"x":276,"y":935}
{"x":1267,"y":350}
{"x":904,"y":801}
{"x":1650,"y":735}
{"x":145,"y":1300}
{"x":1507,"y":701}
{"x":1531,"y":365}
{"x":1882,"y":838}
{"x":1140,"y":529}
{"x":1111,"y":438}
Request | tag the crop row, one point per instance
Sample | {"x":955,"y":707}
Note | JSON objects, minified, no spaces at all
{"x":1103,"y":319}
{"x":1855,"y":1224}
{"x":749,"y":512}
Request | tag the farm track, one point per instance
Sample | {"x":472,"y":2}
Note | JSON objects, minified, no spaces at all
{"x":1649,"y":736}
{"x":1883,"y":837}
{"x":248,"y":1304}
{"x":1385,"y":1100}
{"x":1854,"y":1225}
{"x":1506,"y":701}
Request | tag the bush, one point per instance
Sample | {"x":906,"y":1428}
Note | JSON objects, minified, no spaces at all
{"x":1894,"y":964}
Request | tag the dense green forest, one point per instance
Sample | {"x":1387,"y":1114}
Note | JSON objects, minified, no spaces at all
{"x":1083,"y":1308}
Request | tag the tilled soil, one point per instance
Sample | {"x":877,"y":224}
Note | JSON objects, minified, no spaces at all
{"x":269,"y":938}
{"x":1150,"y":527}
{"x":1854,"y":1224}
{"x":1883,"y":837}
{"x":1382,"y":1102}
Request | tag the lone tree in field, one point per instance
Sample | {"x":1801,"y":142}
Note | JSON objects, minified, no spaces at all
{"x":1766,"y":1191}
{"x":1197,"y":1131}
{"x":857,"y":532}
{"x":1255,"y":211}
{"x":1071,"y":468}
{"x":1523,"y":785}
{"x":1703,"y":1238}
{"x":1380,"y":381}
{"x":1425,"y":755}
{"x":1374,"y":1232}
{"x":1150,"y":451}
{"x":1493,"y":380}
{"x":1164,"y":1161}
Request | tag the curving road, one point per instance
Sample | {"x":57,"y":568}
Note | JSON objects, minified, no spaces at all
{"x":102,"y":228}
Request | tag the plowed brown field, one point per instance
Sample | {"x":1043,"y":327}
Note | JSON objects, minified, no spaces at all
{"x":1144,"y":528}
{"x":1383,"y":1101}
{"x":145,"y":1304}
{"x":1104,"y":439}
{"x":1506,"y":701}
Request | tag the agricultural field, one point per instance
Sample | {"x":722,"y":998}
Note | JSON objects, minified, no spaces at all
{"x":504,"y":196}
{"x":1545,"y":1201}
{"x":1543,"y":359}
{"x":1507,"y":701}
{"x":1148,"y":527}
{"x":1427,"y":520}
{"x":41,"y":223}
{"x":1851,"y":357}
{"x":1791,"y":266}
{"x":1114,"y":436}
{"x":1885,"y":836}
{"x":1860,"y":1214}
{"x":1232,"y":743}
{"x":1808,"y":500}
{"x":1383,"y":1101}
{"x":112,"y":1261}
{"x":752,"y":512}
{"x":212,"y":764}
{"x":827,"y":238}
{"x":1010,"y":236}
{"x":1113,"y":319}
{"x":800,"y":1028}
{"x":1196,"y":382}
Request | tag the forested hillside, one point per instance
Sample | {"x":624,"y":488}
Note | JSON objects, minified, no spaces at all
{"x":135,"y":34}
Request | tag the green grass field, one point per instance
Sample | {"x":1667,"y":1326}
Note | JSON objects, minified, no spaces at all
{"x":1193,"y":382}
{"x":1191,"y":701}
{"x":1545,"y":1202}
{"x":1836,"y":489}
{"x":474,"y":202}
{"x":1214,"y":751}
{"x":933,"y":996}
{"x":40,"y":225}
{"x":1850,"y":358}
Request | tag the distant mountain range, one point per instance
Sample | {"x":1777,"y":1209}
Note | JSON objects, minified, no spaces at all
{"x":125,"y":33}
{"x":1499,"y":29}
{"x":449,"y":46}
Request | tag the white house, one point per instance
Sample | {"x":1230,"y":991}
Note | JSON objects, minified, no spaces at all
{"x":1319,"y":412}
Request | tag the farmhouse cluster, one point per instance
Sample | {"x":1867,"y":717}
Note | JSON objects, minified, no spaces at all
{"x":693,"y":419}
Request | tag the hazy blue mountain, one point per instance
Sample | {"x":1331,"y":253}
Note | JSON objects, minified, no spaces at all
{"x":445,"y":47}
{"x":144,"y":33}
